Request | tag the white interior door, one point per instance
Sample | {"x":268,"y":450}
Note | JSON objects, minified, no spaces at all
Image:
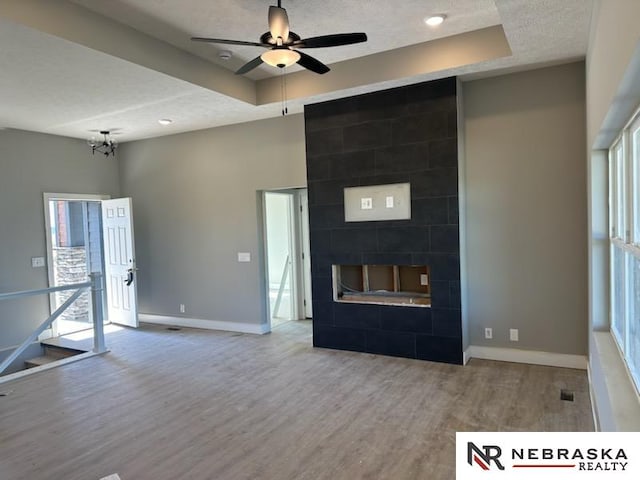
{"x":120,"y":262}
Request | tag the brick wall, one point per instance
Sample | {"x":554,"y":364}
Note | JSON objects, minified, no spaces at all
{"x":70,"y":266}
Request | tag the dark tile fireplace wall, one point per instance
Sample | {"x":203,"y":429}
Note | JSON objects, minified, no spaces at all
{"x":407,"y":134}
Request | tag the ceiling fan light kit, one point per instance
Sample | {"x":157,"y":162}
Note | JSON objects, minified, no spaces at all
{"x":283,"y":44}
{"x":280,"y":57}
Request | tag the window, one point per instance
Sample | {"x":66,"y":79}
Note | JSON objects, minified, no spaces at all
{"x":624,"y":239}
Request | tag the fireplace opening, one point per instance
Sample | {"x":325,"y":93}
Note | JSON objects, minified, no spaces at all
{"x":402,"y":285}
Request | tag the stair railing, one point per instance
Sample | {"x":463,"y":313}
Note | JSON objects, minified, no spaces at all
{"x":94,"y":284}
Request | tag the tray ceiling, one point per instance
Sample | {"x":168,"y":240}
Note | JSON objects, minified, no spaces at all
{"x":73,"y":66}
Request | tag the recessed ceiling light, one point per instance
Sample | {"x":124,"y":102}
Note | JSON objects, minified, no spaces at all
{"x":434,"y":20}
{"x":165,"y":121}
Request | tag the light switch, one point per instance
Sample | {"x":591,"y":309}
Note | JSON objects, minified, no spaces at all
{"x":389,"y":201}
{"x":366,"y":203}
{"x":37,"y":262}
{"x":424,"y":279}
{"x":244,"y":257}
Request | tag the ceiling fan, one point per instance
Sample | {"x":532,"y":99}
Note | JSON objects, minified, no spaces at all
{"x":282,"y":44}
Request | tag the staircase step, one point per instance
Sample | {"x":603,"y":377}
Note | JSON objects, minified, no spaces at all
{"x":57,"y":352}
{"x":37,"y":361}
{"x":52,"y":353}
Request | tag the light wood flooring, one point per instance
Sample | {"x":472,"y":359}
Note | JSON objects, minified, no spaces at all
{"x":194,"y":404}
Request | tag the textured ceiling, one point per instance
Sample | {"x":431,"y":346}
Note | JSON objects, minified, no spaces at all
{"x":62,"y":75}
{"x":388,"y":24}
{"x":70,"y":90}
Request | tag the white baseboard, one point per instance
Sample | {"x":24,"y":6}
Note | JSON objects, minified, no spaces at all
{"x":527,"y":356}
{"x":465,"y":357}
{"x":256,"y":328}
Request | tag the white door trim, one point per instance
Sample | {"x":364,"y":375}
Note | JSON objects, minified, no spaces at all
{"x":305,"y":253}
{"x":297,"y":267}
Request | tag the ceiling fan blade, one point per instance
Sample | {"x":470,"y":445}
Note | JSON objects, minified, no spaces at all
{"x":278,"y":23}
{"x":334,"y":40}
{"x":310,"y":63}
{"x":247,"y":67}
{"x":229,"y":42}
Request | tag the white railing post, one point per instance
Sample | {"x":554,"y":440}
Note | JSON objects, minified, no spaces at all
{"x":96,"y":303}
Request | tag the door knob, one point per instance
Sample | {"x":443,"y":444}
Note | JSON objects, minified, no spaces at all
{"x":129,"y":279}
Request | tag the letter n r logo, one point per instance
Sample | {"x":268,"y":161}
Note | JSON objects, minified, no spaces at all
{"x":484,"y":456}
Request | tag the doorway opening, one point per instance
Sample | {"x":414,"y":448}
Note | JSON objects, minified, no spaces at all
{"x":90,"y":234}
{"x":74,"y":250}
{"x":287,"y":259}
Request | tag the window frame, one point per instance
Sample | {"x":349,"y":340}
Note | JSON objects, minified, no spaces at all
{"x":624,"y":236}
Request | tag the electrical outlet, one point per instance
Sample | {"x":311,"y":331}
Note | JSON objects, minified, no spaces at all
{"x":366,"y":203}
{"x":37,"y":262}
{"x":488,"y":333}
{"x":182,"y":309}
{"x":513,"y":334}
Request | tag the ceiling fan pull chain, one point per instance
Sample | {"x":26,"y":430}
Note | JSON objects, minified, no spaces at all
{"x":284,"y":81}
{"x":282,"y":91}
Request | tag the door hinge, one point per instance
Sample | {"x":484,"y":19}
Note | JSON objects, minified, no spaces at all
{"x":303,"y":255}
{"x":304,"y":302}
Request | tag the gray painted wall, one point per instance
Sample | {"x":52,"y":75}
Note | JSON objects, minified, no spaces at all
{"x":526,"y":209}
{"x":30,"y":164}
{"x":195,"y":207}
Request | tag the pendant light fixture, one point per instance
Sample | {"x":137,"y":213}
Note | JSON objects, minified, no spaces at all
{"x":106,"y":146}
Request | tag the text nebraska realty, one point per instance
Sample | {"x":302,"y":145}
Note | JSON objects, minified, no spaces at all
{"x":605,"y":459}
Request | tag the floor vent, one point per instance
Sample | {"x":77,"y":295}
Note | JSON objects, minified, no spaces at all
{"x":566,"y":395}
